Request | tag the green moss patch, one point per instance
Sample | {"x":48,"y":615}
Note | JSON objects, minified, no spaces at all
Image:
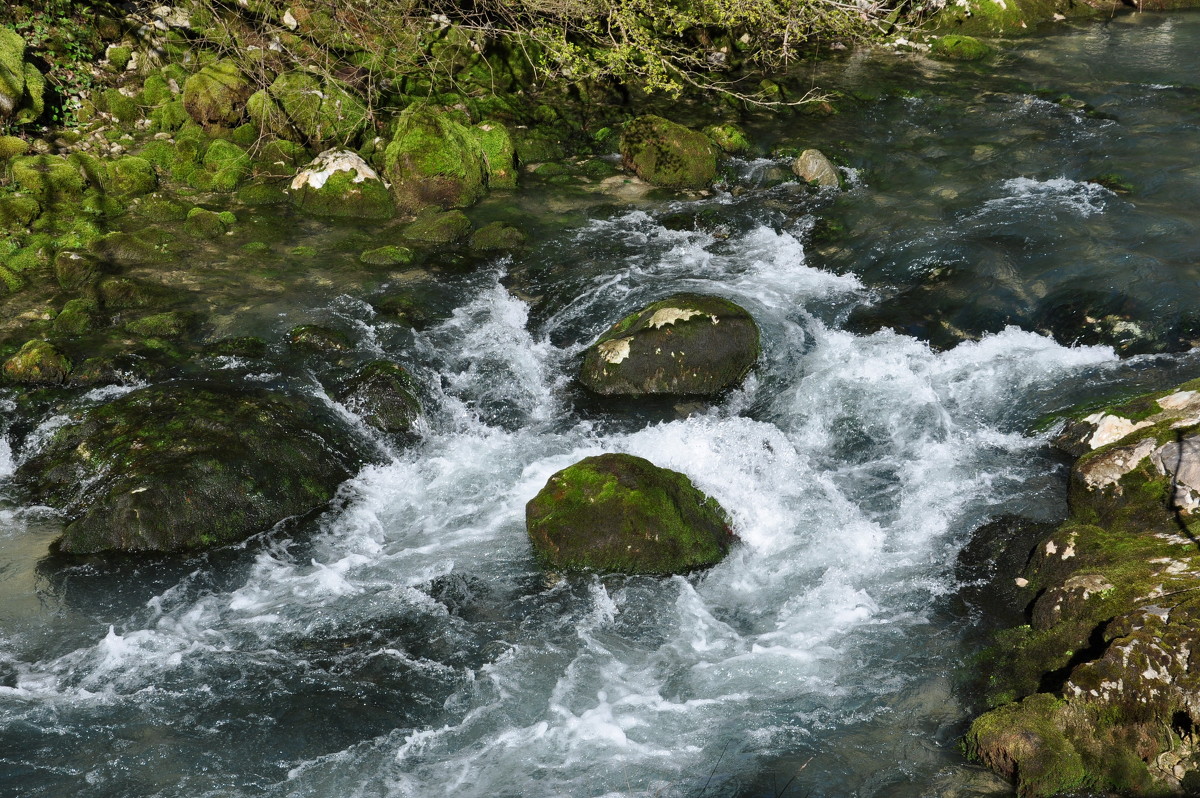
{"x":617,"y":512}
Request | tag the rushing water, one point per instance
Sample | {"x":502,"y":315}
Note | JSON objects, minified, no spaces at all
{"x":406,"y":644}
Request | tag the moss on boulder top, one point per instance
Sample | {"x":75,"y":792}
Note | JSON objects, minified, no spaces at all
{"x":684,"y":345}
{"x":37,"y":363}
{"x":668,"y":154}
{"x":434,"y":161}
{"x":303,"y":108}
{"x":1098,"y":691}
{"x":22,"y":85}
{"x":954,"y":47}
{"x":339,"y":183}
{"x":185,"y":466}
{"x":618,"y":512}
{"x":49,"y":178}
{"x":217,"y":94}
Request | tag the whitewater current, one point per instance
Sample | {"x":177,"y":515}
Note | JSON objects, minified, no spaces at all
{"x":411,"y":647}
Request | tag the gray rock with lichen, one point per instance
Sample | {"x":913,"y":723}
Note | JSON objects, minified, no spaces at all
{"x":684,"y":345}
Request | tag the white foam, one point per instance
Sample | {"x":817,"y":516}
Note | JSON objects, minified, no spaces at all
{"x":7,"y":464}
{"x":1075,"y":197}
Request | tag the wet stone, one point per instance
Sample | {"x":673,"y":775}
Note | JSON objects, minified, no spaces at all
{"x":684,"y":345}
{"x":618,"y":512}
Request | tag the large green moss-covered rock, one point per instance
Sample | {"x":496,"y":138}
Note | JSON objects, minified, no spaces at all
{"x":185,"y":466}
{"x":22,"y":85}
{"x":217,"y":94}
{"x":684,"y":345}
{"x":434,"y":161}
{"x":12,"y":71}
{"x":306,"y":109}
{"x":129,"y":176}
{"x":37,"y":363}
{"x":339,"y":183}
{"x":1008,"y":17}
{"x":1098,"y":691}
{"x":225,"y":166}
{"x":667,"y":154}
{"x":617,"y":512}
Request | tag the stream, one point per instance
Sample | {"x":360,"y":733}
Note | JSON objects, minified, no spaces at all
{"x":917,"y":326}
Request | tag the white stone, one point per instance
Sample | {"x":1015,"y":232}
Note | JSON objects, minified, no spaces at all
{"x":1178,"y":401}
{"x":328,"y":162}
{"x":1110,"y":429}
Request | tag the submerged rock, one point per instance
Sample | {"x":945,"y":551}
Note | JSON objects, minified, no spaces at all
{"x":1098,"y":691}
{"x":684,"y":345}
{"x":384,"y":395}
{"x":667,"y":154}
{"x":315,"y":338}
{"x":339,"y":183}
{"x":185,"y":466}
{"x":617,"y":512}
{"x":813,"y":167}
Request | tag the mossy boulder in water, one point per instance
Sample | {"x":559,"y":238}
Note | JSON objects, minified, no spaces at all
{"x":339,"y":183}
{"x":729,"y":137}
{"x":315,"y":338}
{"x":617,"y":512}
{"x":684,"y":345}
{"x":37,"y":363}
{"x":667,"y":154}
{"x":1097,"y":693}
{"x":959,"y":48}
{"x":186,"y":466}
{"x":217,"y":94}
{"x":434,"y":161}
{"x":384,"y":395}
{"x":436,"y":228}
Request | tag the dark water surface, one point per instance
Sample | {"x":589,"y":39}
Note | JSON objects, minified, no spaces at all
{"x":916,"y":326}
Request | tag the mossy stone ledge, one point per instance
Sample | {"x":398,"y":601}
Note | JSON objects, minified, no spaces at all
{"x":186,"y":466}
{"x":668,"y":154}
{"x":684,"y":345}
{"x":621,"y":513}
{"x":1097,"y":693}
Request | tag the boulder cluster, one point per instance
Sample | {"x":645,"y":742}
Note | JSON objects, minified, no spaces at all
{"x":1098,"y":692}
